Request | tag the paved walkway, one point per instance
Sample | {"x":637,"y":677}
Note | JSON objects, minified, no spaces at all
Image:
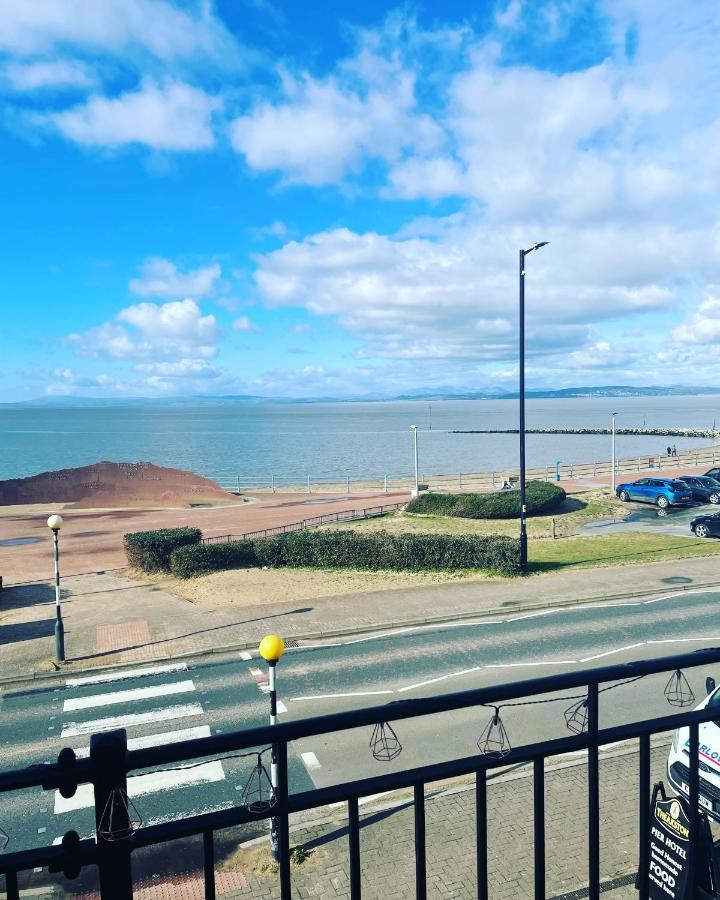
{"x":110,"y":619}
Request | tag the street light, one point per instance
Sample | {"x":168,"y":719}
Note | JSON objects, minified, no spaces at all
{"x":415,"y":434}
{"x":523,"y":510}
{"x":271,"y":649}
{"x":55,"y":524}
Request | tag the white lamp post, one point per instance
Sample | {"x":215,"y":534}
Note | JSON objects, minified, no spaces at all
{"x":55,"y":524}
{"x":613,"y":463}
{"x":415,"y":434}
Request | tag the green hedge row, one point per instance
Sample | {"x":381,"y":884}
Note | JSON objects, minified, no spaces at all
{"x":150,"y":550}
{"x":541,"y":497}
{"x":353,"y":549}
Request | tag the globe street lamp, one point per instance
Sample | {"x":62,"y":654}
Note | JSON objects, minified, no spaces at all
{"x":271,"y":649}
{"x":55,"y":524}
{"x":523,"y":509}
{"x":614,"y":462}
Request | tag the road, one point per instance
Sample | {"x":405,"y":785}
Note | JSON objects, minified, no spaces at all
{"x":168,"y":701}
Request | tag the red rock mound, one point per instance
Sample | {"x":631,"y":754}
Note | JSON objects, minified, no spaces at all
{"x":113,"y":484}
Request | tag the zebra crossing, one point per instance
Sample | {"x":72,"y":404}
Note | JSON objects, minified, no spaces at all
{"x":141,"y":700}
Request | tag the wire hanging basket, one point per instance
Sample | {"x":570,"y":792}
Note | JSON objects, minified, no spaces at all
{"x":384,"y":742}
{"x":494,"y":740}
{"x":4,"y":840}
{"x":576,"y":716}
{"x":120,"y":818}
{"x":258,"y":795}
{"x":678,"y":691}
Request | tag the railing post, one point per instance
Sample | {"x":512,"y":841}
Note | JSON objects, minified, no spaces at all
{"x":347,"y":484}
{"x":108,"y":754}
{"x":238,"y":483}
{"x":386,"y":484}
{"x":272,"y":483}
{"x":420,"y":859}
{"x":481,"y":853}
{"x":283,"y":821}
{"x":644,"y":797}
{"x":593,"y":796}
{"x":539,"y":826}
{"x":308,"y":482}
{"x":354,"y":839}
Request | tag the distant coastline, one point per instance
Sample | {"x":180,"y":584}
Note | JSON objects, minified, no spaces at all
{"x":606,"y":391}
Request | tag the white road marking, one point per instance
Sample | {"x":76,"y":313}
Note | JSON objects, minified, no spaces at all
{"x":73,"y":729}
{"x":245,"y":655}
{"x":535,"y":615}
{"x":281,"y":708}
{"x":146,"y":693}
{"x":681,"y":594}
{"x":150,"y":783}
{"x":336,"y":696}
{"x":522,"y":665}
{"x":410,"y":687}
{"x":610,"y":652}
{"x":125,"y":674}
{"x":310,"y":760}
{"x":158,"y":740}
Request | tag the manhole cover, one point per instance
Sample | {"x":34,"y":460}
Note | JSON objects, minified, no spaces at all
{"x":15,"y":542}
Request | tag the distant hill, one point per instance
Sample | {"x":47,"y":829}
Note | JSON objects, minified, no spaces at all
{"x":444,"y":393}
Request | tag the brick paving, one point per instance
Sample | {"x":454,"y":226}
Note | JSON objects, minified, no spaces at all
{"x":387,"y":840}
{"x":131,"y":640}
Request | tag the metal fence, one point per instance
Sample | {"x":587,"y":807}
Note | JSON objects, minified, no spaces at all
{"x":110,"y":763}
{"x":345,"y":515}
{"x":470,"y":481}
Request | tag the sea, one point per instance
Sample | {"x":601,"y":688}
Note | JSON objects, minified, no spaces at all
{"x":256,"y":441}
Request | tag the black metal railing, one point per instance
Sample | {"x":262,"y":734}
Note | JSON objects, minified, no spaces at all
{"x":344,"y":515}
{"x":110,"y":762}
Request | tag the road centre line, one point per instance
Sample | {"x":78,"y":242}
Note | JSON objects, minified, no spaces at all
{"x":157,"y":740}
{"x":336,"y":696}
{"x":168,"y":714}
{"x":150,"y":783}
{"x":126,"y":674}
{"x":610,"y":652}
{"x":420,"y":684}
{"x":146,"y":693}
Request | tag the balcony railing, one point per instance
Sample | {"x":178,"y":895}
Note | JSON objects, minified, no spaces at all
{"x":110,"y":762}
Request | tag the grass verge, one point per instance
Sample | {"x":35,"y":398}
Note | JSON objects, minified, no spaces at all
{"x":621,"y":549}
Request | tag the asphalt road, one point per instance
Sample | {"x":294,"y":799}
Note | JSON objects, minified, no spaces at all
{"x":168,"y":701}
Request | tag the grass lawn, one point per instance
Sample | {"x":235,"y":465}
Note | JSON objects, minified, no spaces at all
{"x":575,"y":512}
{"x":615,"y":550}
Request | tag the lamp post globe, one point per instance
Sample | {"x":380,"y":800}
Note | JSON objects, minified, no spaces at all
{"x":271,"y":648}
{"x":55,"y":524}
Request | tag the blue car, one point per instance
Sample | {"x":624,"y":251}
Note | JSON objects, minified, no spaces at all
{"x":662,"y":491}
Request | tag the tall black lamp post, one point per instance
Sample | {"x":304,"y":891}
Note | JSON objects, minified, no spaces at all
{"x":523,"y":511}
{"x":54,"y":524}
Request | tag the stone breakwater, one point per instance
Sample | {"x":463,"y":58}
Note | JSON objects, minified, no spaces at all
{"x":653,"y":432}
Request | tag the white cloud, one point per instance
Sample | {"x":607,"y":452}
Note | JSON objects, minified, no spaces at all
{"x":703,"y":326}
{"x":243,"y":323}
{"x":150,"y":331}
{"x":60,"y":73}
{"x":322,"y":129}
{"x":171,"y":116}
{"x":161,"y":278}
{"x":161,"y":28}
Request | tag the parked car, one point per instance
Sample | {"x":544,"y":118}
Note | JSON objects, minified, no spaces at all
{"x":678,"y":766}
{"x":714,"y":472}
{"x":703,"y":488}
{"x":662,"y":491}
{"x":706,"y":526}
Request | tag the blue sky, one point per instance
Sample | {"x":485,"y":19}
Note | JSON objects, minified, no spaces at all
{"x":248,"y":196}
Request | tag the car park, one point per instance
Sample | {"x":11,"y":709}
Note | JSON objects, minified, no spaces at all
{"x":678,"y":766}
{"x":704,"y":488}
{"x":706,"y":526}
{"x":663,"y":492}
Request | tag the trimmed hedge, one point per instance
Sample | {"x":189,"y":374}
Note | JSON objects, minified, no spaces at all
{"x":150,"y":551}
{"x":353,"y":550}
{"x":201,"y":559}
{"x":541,"y":497}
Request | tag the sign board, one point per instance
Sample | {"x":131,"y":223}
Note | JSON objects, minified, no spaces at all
{"x":669,"y":849}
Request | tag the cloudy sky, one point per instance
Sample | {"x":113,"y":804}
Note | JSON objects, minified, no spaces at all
{"x":286,"y":199}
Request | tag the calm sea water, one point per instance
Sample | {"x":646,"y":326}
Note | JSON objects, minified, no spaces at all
{"x":334,"y":440}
